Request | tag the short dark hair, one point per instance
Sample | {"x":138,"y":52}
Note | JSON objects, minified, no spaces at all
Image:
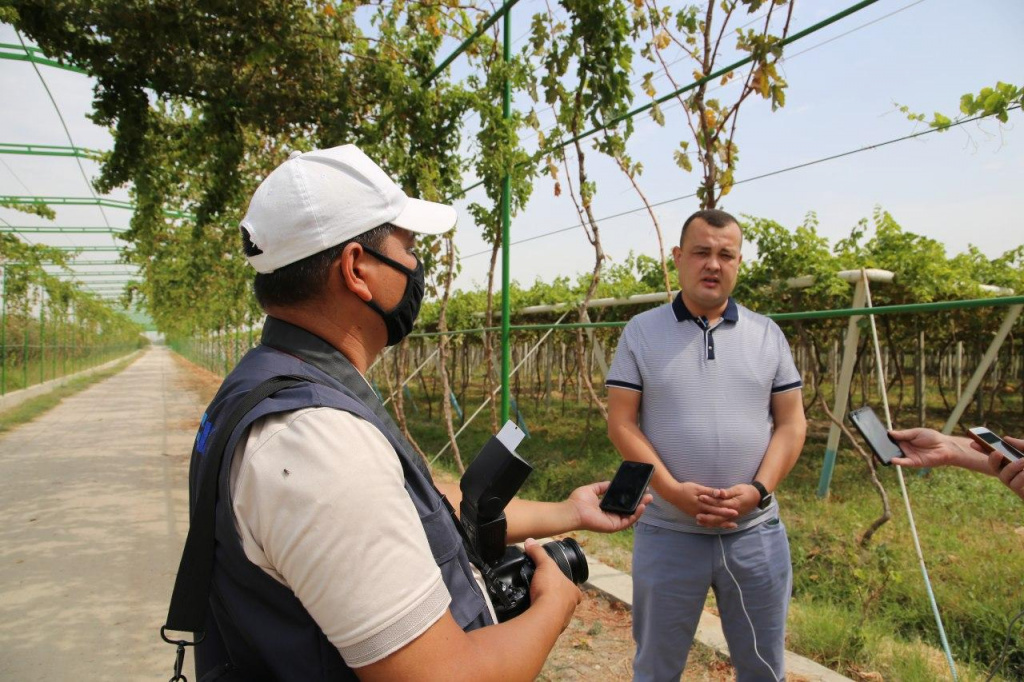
{"x":714,"y":218}
{"x":306,"y":279}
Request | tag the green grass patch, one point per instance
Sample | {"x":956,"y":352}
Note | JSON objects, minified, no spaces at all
{"x":33,"y":407}
{"x":857,"y":609}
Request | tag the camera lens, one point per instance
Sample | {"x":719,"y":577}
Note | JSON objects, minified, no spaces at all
{"x":569,"y":556}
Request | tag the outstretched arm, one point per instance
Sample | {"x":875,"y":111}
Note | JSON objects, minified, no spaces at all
{"x":929,"y":448}
{"x":581,"y":511}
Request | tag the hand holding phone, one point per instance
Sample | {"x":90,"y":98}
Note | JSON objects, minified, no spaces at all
{"x":990,"y":443}
{"x":627,"y":488}
{"x":875,"y":433}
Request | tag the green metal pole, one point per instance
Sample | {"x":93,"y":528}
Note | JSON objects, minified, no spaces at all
{"x":24,"y":351}
{"x":3,"y":332}
{"x":55,"y":342}
{"x":506,"y":191}
{"x":502,"y":12}
{"x":42,"y":342}
{"x":64,"y":346}
{"x":808,"y":315}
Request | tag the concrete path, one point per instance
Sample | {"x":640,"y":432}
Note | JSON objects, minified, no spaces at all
{"x":93,"y":515}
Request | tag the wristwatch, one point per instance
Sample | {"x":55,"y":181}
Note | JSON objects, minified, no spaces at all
{"x":766,"y":497}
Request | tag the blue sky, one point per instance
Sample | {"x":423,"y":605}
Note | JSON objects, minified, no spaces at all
{"x":959,"y":187}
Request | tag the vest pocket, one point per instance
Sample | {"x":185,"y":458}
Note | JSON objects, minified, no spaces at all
{"x":467,"y":604}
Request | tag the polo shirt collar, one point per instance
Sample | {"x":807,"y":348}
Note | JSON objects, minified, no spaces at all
{"x":679,"y":309}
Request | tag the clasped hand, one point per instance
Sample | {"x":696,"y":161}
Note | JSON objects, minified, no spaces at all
{"x":715,"y":507}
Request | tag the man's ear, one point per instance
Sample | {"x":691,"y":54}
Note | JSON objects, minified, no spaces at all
{"x":352,"y":269}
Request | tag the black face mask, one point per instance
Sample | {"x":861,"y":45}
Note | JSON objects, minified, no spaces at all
{"x":399,"y":320}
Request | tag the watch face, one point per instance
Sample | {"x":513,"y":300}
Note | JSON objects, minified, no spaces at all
{"x":766,"y":502}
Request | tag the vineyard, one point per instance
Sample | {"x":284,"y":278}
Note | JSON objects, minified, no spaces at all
{"x":200,"y":103}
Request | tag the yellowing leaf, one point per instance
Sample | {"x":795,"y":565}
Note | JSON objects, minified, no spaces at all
{"x":662,"y":40}
{"x":657,"y":115}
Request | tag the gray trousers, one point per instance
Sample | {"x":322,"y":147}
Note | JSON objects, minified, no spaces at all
{"x":751,"y":574}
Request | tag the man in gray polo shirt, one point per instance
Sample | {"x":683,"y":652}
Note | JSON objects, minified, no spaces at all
{"x":707,"y":392}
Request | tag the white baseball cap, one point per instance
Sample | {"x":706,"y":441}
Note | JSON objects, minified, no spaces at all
{"x":319,"y":199}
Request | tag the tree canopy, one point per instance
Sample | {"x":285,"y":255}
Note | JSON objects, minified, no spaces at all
{"x":203,"y":99}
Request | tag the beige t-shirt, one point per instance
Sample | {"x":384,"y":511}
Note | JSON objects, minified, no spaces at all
{"x":320,"y":505}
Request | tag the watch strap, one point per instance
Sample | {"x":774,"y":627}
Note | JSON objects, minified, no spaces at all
{"x":766,"y":497}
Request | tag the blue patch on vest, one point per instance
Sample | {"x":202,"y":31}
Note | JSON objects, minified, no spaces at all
{"x":203,"y":435}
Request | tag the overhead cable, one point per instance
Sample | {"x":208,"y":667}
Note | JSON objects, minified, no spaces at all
{"x":780,"y":171}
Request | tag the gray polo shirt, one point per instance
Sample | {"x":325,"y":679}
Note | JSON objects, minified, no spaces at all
{"x":706,"y":396}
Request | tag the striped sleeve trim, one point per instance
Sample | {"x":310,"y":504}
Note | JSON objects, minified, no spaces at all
{"x":615,"y":383}
{"x":787,"y":387}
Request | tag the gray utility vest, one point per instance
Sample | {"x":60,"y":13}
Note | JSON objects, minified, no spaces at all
{"x":254,"y":622}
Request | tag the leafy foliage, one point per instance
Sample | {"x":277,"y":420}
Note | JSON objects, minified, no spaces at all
{"x":36,"y":303}
{"x":699,"y":33}
{"x":990,"y":101}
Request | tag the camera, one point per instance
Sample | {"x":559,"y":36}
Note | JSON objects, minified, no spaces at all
{"x":489,"y":483}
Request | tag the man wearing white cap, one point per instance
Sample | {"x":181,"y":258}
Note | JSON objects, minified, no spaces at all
{"x":336,"y":556}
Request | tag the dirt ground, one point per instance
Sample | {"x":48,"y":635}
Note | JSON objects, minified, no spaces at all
{"x":598,"y":645}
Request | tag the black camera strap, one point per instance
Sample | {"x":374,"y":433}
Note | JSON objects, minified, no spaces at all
{"x":191,"y":595}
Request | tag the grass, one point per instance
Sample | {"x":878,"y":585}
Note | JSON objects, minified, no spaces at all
{"x":863,"y":611}
{"x":33,"y":407}
{"x":859,"y":610}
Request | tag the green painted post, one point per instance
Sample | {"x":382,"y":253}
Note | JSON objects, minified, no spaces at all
{"x":64,"y":347}
{"x":72,"y":321}
{"x":506,"y":192}
{"x":42,"y":343}
{"x":24,"y":353}
{"x":843,"y":389}
{"x":3,"y":331}
{"x":56,"y":349}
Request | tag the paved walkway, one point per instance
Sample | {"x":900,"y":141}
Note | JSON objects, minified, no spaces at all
{"x":93,"y":515}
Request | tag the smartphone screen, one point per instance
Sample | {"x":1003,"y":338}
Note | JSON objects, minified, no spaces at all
{"x":627,"y":488}
{"x":875,"y":434}
{"x":991,"y":442}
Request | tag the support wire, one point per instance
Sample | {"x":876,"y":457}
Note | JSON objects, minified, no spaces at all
{"x":491,"y":396}
{"x":903,"y":485}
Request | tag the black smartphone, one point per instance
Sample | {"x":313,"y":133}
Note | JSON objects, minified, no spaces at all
{"x":875,"y":433}
{"x":627,"y":488}
{"x":990,"y":442}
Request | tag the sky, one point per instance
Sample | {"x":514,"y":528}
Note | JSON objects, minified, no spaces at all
{"x":960,"y":187}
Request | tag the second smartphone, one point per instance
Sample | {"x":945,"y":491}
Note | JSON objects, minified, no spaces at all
{"x":990,"y":442}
